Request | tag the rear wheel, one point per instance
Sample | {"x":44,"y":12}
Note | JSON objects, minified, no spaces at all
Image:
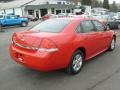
{"x":24,"y":24}
{"x":112,"y":45}
{"x":76,"y":63}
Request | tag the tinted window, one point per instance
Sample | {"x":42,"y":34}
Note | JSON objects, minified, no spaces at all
{"x":87,"y":26}
{"x":52,"y":25}
{"x":7,"y":17}
{"x":99,"y":26}
{"x":79,"y":30}
{"x":13,"y":17}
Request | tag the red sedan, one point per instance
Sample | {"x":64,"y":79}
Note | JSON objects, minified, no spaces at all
{"x":63,"y":43}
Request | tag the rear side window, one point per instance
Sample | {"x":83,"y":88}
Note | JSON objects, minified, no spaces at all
{"x":79,"y":30}
{"x":52,"y":25}
{"x":87,"y":26}
{"x":99,"y":26}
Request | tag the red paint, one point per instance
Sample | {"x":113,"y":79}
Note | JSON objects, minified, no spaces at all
{"x":67,"y":42}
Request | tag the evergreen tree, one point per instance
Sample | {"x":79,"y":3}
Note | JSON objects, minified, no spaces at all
{"x":106,"y":4}
{"x":95,"y":3}
{"x":101,"y":3}
{"x":86,"y":2}
{"x":114,"y":7}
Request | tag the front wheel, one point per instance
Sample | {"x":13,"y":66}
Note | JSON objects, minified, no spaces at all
{"x":76,"y":63}
{"x":112,"y":45}
{"x":24,"y":24}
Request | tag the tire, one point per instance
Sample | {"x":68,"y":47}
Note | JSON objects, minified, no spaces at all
{"x":112,"y":44}
{"x":24,"y":24}
{"x":76,"y":63}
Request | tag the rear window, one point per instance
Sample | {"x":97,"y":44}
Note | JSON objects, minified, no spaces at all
{"x":51,"y":25}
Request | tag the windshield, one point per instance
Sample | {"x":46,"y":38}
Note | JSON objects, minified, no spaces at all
{"x":51,"y":25}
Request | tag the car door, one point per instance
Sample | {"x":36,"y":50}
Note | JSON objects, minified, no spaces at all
{"x":15,"y":20}
{"x":8,"y":21}
{"x":103,"y":36}
{"x":91,"y":41}
{"x":11,"y":20}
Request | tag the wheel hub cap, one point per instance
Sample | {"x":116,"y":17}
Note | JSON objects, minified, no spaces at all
{"x":77,"y":62}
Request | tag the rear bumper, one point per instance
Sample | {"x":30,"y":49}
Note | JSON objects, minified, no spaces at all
{"x":43,"y":61}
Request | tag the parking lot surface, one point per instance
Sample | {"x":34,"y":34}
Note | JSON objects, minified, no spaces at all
{"x":101,"y":73}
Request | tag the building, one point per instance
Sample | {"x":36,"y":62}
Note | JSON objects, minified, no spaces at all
{"x":37,"y":8}
{"x":14,"y":7}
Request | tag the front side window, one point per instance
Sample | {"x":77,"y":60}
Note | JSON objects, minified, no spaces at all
{"x":7,"y":17}
{"x":13,"y":17}
{"x":51,"y":25}
{"x":79,"y":30}
{"x":87,"y":26}
{"x":99,"y":26}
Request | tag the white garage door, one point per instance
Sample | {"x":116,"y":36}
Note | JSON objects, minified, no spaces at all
{"x":18,"y":11}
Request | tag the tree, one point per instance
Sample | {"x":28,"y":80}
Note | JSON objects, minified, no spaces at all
{"x":86,"y":2}
{"x":114,"y":7}
{"x":106,"y":4}
{"x":96,"y":3}
{"x":75,"y":1}
{"x":5,"y":0}
{"x":101,"y":3}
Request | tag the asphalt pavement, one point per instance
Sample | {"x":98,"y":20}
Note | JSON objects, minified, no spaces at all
{"x":101,"y":73}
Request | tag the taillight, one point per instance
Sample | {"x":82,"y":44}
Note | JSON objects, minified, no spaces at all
{"x":48,"y":45}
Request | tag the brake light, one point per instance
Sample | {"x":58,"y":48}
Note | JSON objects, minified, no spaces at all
{"x":48,"y":45}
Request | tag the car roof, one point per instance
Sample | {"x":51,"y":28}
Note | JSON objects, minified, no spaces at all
{"x":75,"y":18}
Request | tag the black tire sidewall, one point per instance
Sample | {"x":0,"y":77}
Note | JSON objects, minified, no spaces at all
{"x":70,"y":69}
{"x":110,"y":49}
